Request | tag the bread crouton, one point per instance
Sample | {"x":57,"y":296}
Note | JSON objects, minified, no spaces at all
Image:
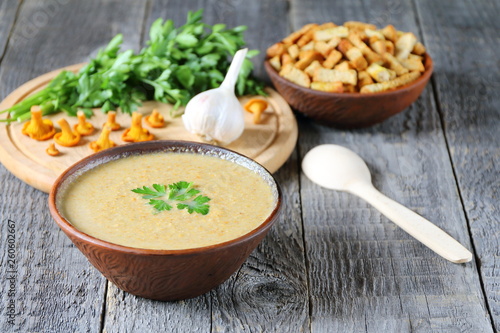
{"x":295,"y":75}
{"x":356,"y":25}
{"x":379,"y":73}
{"x":312,"y":67}
{"x":394,"y":64}
{"x":275,"y":62}
{"x":397,"y":82}
{"x":276,"y":50}
{"x":404,"y":45}
{"x":306,"y":58}
{"x":293,"y":51}
{"x":327,"y":34}
{"x":332,"y":59}
{"x":333,"y":75}
{"x":334,"y":87}
{"x":323,"y":48}
{"x":418,"y":49}
{"x":413,"y":64}
{"x":390,"y":33}
{"x":364,"y":79}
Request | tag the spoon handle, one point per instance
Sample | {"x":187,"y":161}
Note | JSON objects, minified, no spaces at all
{"x":417,"y":226}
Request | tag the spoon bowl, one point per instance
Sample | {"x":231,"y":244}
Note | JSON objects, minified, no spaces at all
{"x":335,"y":160}
{"x":338,"y":168}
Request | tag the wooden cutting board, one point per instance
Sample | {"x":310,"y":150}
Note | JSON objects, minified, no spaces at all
{"x":269,"y":143}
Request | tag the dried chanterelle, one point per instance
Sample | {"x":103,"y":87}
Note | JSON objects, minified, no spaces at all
{"x":52,"y":150}
{"x":136,"y":133}
{"x":38,"y":128}
{"x":155,"y":119}
{"x":111,"y":121}
{"x":104,"y":142}
{"x":257,"y":106}
{"x":66,"y":137}
{"x":83,"y":127}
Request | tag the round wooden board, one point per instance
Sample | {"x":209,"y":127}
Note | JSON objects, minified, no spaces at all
{"x":269,"y":143}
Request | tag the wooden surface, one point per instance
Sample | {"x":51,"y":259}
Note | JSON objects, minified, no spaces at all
{"x":332,"y":263}
{"x":270,"y":142}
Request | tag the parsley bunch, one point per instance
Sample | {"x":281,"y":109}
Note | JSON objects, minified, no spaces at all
{"x":175,"y":65}
{"x":182,"y":194}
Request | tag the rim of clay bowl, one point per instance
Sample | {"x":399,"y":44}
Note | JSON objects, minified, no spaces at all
{"x":140,"y":148}
{"x":428,"y":64}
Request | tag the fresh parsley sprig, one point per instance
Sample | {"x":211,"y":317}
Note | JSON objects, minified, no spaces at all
{"x":182,"y":194}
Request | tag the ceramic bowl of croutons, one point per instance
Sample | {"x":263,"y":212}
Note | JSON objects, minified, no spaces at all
{"x":351,"y":76}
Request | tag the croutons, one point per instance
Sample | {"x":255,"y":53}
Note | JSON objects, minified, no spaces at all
{"x":353,"y":57}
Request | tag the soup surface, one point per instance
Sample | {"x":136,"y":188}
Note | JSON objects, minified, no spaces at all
{"x":101,"y":202}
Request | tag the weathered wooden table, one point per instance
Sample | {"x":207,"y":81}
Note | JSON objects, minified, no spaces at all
{"x":332,"y":263}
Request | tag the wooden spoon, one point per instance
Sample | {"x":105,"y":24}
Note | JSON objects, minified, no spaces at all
{"x":338,"y":168}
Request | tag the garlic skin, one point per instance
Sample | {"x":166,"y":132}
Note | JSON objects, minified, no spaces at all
{"x":216,"y":114}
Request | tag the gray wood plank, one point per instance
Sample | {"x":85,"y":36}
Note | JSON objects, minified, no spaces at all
{"x":362,"y":267}
{"x":56,"y":289}
{"x":51,"y":287}
{"x":128,"y":313}
{"x":462,"y":39}
{"x":8,"y":12}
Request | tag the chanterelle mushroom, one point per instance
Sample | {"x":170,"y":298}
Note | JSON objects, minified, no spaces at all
{"x":257,"y":106}
{"x":67,"y":137}
{"x":136,"y":133}
{"x":111,"y":121}
{"x":103,"y":142}
{"x":52,"y":150}
{"x":83,"y":127}
{"x":155,"y":119}
{"x":38,"y":128}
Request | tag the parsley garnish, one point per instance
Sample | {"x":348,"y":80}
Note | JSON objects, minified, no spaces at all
{"x":181,"y":194}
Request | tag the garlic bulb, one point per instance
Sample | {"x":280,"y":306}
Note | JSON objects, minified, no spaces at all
{"x":216,"y":114}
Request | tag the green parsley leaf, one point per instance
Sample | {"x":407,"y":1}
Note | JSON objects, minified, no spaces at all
{"x":197,"y":205}
{"x":160,"y":205}
{"x":182,"y":194}
{"x":156,"y":192}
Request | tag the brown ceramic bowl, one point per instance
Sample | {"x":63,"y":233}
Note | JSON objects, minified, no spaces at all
{"x":349,"y":110}
{"x":163,"y":274}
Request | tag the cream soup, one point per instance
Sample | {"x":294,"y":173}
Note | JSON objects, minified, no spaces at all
{"x":101,"y":202}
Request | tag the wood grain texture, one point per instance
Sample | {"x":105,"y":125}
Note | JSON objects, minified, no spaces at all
{"x":8,"y":12}
{"x":56,"y":288}
{"x":467,"y":85}
{"x":361,"y":266}
{"x":349,"y":269}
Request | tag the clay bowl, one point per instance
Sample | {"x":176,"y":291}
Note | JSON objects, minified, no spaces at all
{"x":349,"y":110}
{"x":163,"y":274}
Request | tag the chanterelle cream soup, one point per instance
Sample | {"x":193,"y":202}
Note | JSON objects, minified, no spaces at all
{"x":102,"y":204}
